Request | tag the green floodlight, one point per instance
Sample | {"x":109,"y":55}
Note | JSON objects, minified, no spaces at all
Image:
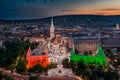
{"x":99,"y":59}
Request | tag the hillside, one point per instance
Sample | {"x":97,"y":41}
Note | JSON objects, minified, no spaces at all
{"x":89,"y":21}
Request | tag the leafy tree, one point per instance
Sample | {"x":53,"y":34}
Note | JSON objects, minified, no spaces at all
{"x":111,"y":75}
{"x":13,"y":50}
{"x":92,"y":67}
{"x":87,"y":73}
{"x":100,"y":71}
{"x":37,"y":69}
{"x":108,"y":52}
{"x":65,"y":63}
{"x":118,"y":49}
{"x":73,"y":66}
{"x":90,"y":52}
{"x":21,"y":66}
{"x":76,"y":51}
{"x":80,"y":68}
{"x":116,"y":75}
{"x":86,"y":53}
{"x":52,"y":65}
{"x":94,"y":74}
{"x":1,"y":75}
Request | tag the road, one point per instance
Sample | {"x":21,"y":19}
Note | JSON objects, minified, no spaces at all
{"x":15,"y":75}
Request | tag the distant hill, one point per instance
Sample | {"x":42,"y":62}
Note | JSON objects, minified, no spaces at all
{"x":89,"y":21}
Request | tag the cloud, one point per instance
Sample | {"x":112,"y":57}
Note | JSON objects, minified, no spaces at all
{"x":69,"y":10}
{"x":100,"y":13}
{"x":109,"y":9}
{"x":10,"y":9}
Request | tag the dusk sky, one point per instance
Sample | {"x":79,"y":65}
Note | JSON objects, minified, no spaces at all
{"x":29,"y":9}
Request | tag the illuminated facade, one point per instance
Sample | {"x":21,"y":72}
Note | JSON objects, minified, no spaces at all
{"x":32,"y":60}
{"x":56,"y":45}
{"x":84,"y":44}
{"x":99,"y":59}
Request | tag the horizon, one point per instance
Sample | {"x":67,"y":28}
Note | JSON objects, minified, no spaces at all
{"x":33,"y":9}
{"x":59,"y":16}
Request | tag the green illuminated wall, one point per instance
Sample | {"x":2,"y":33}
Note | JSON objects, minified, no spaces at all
{"x":99,"y":59}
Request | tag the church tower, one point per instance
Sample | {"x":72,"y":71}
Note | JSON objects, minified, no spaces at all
{"x":117,"y":27}
{"x":52,"y":29}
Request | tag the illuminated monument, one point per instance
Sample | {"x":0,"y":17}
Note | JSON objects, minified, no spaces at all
{"x":41,"y":59}
{"x":117,"y":27}
{"x":52,"y":29}
{"x":99,"y":59}
{"x":51,"y":52}
{"x":56,"y":45}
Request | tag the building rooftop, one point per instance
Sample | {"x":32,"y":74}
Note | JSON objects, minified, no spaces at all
{"x":85,"y":37}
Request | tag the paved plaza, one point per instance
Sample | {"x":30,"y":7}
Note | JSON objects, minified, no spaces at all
{"x":58,"y":78}
{"x":60,"y":71}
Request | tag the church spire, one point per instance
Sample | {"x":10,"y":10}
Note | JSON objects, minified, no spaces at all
{"x":52,"y":24}
{"x":28,"y":52}
{"x":52,"y":29}
{"x":100,"y":51}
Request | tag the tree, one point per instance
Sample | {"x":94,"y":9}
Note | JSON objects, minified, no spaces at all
{"x":94,"y":74}
{"x":76,"y":51}
{"x":52,"y":65}
{"x":1,"y":75}
{"x":21,"y":66}
{"x":112,"y":75}
{"x":37,"y":69}
{"x":13,"y":50}
{"x":87,"y":74}
{"x":100,"y":71}
{"x":90,"y":52}
{"x":80,"y":68}
{"x":118,"y":49}
{"x":86,"y":53}
{"x":108,"y":52}
{"x":73,"y":66}
{"x":116,"y":75}
{"x":65,"y":63}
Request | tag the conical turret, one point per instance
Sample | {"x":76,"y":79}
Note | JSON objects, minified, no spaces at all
{"x":28,"y":52}
{"x":100,"y":51}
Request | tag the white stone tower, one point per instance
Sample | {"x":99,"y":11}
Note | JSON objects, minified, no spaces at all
{"x":52,"y":29}
{"x":1,"y":44}
{"x":117,"y":27}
